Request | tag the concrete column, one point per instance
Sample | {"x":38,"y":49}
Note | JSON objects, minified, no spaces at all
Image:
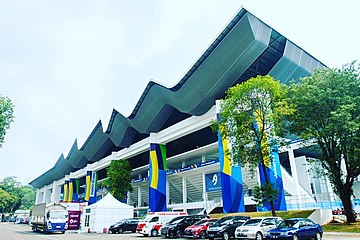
{"x":205,"y":195}
{"x":167,"y":191}
{"x":56,"y":191}
{"x":294,"y":170}
{"x":139,"y":197}
{"x":184,"y":189}
{"x":128,"y":198}
{"x":203,"y":159}
{"x":46,"y":196}
{"x":38,"y":196}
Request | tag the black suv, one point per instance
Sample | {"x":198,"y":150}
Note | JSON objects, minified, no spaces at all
{"x":124,"y":225}
{"x":175,"y":228}
{"x":225,"y":227}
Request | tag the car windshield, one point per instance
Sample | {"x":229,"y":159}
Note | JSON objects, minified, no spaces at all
{"x":121,"y":221}
{"x":176,"y":220}
{"x":224,"y":220}
{"x":201,"y":222}
{"x":252,"y":222}
{"x":288,"y":223}
{"x":58,"y":214}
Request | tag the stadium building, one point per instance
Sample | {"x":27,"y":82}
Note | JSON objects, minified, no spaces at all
{"x":177,"y":161}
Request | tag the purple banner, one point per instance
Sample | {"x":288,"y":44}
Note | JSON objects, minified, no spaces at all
{"x":74,"y":220}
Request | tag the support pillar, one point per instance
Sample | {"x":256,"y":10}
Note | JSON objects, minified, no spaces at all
{"x":46,"y":196}
{"x":139,"y":203}
{"x":38,"y":199}
{"x":157,"y":176}
{"x":184,"y":196}
{"x":205,"y":195}
{"x":294,"y":170}
{"x":231,"y":176}
{"x":56,"y":191}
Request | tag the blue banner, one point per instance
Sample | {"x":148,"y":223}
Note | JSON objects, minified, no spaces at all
{"x":213,"y":182}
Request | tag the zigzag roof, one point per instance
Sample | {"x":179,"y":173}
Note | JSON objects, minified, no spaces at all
{"x":247,"y":47}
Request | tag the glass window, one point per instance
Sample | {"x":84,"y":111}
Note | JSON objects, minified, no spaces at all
{"x":252,"y":222}
{"x":154,"y":219}
{"x":87,"y":220}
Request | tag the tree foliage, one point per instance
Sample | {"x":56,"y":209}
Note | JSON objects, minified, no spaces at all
{"x":118,"y":181}
{"x":6,"y":116}
{"x":14,"y":196}
{"x":248,"y":117}
{"x":326,"y":107}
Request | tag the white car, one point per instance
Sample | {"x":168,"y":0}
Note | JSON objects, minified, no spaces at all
{"x":256,"y":228}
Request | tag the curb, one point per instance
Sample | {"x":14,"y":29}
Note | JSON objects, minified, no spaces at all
{"x":342,"y":233}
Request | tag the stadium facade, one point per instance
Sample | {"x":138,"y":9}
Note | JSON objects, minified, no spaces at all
{"x":177,"y":161}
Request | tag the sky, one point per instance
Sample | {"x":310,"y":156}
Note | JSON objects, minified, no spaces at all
{"x":67,"y":64}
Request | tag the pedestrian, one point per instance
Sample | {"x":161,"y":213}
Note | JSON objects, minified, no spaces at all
{"x":2,"y":217}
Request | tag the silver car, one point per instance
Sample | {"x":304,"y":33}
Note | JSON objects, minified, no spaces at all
{"x":256,"y":228}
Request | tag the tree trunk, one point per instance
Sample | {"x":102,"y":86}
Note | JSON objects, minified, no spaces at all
{"x":267,"y":180}
{"x":345,"y":196}
{"x":273,"y":213}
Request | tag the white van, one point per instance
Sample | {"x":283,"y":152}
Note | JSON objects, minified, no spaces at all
{"x":153,"y":221}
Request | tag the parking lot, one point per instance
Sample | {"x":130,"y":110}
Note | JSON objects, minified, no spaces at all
{"x":11,"y":231}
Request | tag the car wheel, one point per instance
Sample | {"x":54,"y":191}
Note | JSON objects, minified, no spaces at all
{"x":226,"y":236}
{"x":295,"y":237}
{"x":120,"y":230}
{"x":63,"y":232}
{"x":259,"y":236}
{"x":318,"y":236}
{"x":202,"y":234}
{"x":178,"y":233}
{"x":154,"y":233}
{"x":211,"y":238}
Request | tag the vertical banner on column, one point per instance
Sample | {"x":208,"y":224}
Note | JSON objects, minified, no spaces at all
{"x":273,"y":172}
{"x":271,"y":168}
{"x":66,"y":191}
{"x":71,"y":190}
{"x":231,"y":178}
{"x":157,"y":178}
{"x":87,"y":185}
{"x":74,"y":183}
{"x":93,"y":187}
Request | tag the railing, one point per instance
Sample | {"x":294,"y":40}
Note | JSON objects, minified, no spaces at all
{"x":322,"y":201}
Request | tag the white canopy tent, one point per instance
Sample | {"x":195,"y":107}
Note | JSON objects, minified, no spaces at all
{"x":104,"y":213}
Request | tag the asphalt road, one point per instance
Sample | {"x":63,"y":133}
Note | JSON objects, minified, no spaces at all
{"x":10,"y":231}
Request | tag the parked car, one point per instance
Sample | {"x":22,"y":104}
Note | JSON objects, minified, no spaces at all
{"x":125,"y":225}
{"x":153,"y":221}
{"x":256,"y":228}
{"x":296,"y":229}
{"x":198,"y":230}
{"x":225,"y":227}
{"x":175,"y":228}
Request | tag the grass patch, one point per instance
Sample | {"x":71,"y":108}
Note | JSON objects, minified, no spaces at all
{"x":342,"y":227}
{"x":283,"y":214}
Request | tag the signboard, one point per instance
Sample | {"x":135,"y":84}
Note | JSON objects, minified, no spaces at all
{"x":93,"y":184}
{"x":74,"y":220}
{"x":213,"y":182}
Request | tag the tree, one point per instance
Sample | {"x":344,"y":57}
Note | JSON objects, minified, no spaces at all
{"x":118,"y":180}
{"x":28,"y":197}
{"x":6,"y":116}
{"x":14,"y":196}
{"x":247,"y":118}
{"x":326,"y":108}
